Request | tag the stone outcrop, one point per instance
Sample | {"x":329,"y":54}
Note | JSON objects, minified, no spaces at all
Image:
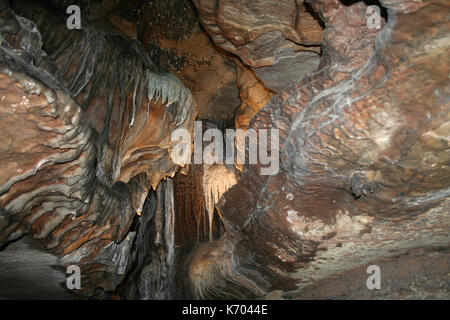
{"x":254,"y":95}
{"x":363,"y":146}
{"x":257,"y":31}
{"x":278,"y":39}
{"x":83,"y":125}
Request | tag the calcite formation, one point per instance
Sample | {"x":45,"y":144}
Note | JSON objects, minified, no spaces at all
{"x":171,"y":33}
{"x":363,"y":118}
{"x":364,"y":150}
{"x":84,"y":124}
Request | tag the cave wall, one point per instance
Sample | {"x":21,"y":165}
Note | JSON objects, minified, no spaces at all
{"x":357,"y":136}
{"x":85,"y":122}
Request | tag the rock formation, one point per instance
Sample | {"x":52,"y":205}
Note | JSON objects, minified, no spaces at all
{"x":83,"y":125}
{"x":355,"y":153}
{"x":87,"y":117}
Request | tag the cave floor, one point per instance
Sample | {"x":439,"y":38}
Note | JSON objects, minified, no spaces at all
{"x":27,"y":273}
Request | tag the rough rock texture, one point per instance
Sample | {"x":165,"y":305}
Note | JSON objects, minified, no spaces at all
{"x":364,"y":146}
{"x":257,"y":30}
{"x":254,"y":95}
{"x":75,"y":134}
{"x":152,"y":273}
{"x":417,"y":274}
{"x":289,"y":67}
{"x":364,"y":149}
{"x":279,"y":39}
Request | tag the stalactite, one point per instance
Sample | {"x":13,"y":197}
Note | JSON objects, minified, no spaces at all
{"x":120,"y":89}
{"x":155,"y":276}
{"x":87,"y":99}
{"x":217,"y":179}
{"x":169,"y":229}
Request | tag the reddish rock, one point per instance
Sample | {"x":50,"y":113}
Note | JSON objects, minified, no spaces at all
{"x":354,"y":184}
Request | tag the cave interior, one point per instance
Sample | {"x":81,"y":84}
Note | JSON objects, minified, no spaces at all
{"x":224,"y":149}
